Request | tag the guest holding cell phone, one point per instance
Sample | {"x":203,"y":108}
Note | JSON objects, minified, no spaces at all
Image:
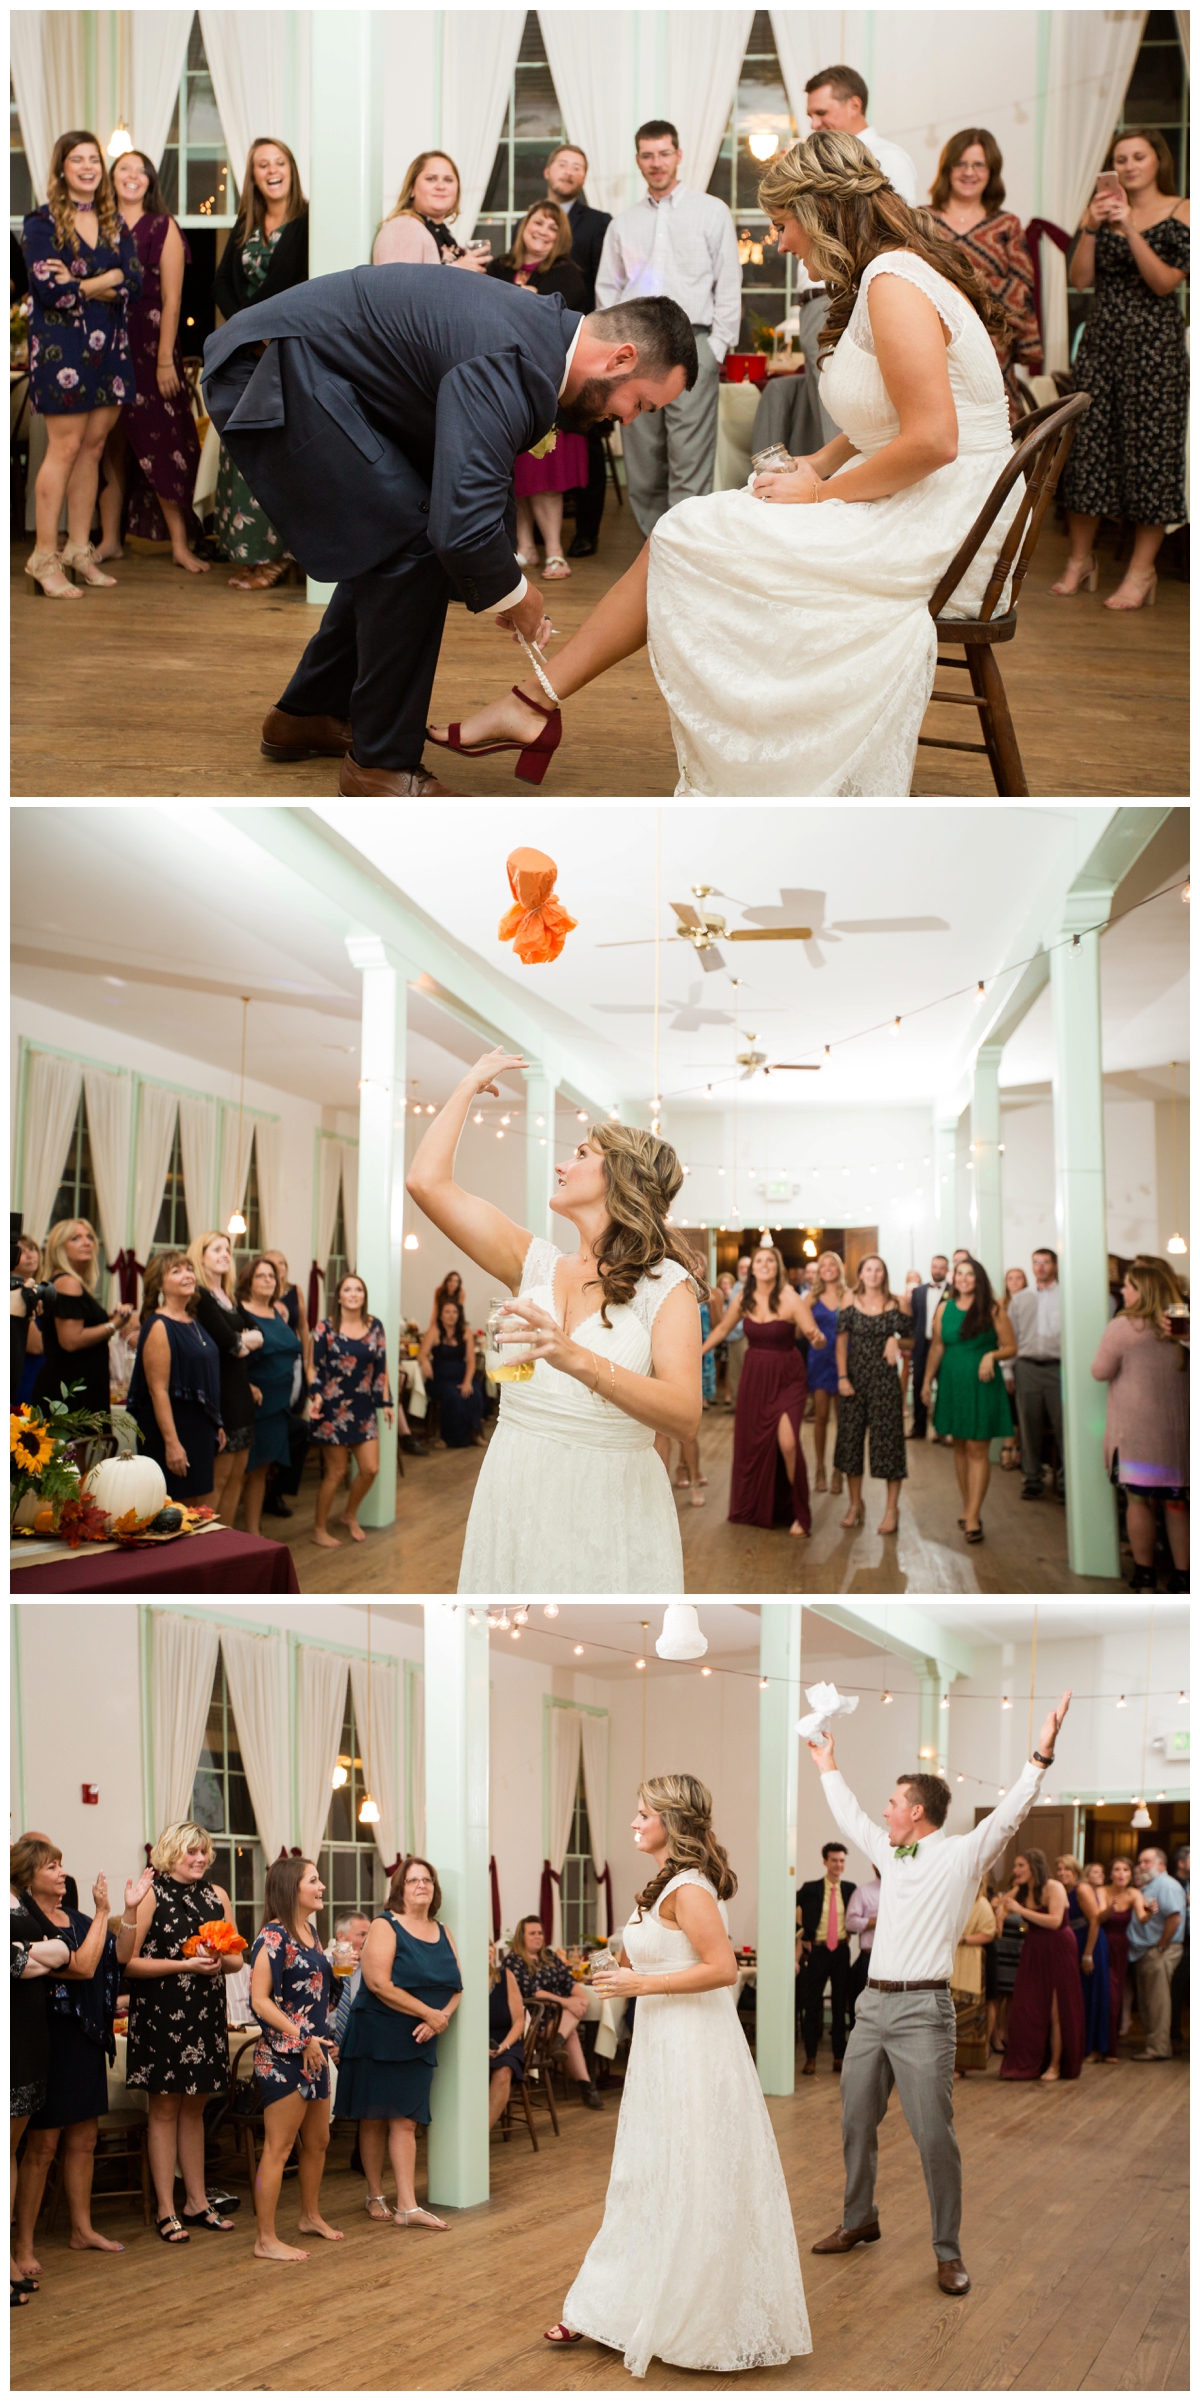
{"x":291,"y":1981}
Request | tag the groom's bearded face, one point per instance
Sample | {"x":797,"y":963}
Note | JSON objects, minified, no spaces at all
{"x":592,"y":402}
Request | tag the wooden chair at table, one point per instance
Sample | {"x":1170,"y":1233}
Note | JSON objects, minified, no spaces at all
{"x":541,"y":2028}
{"x":505,"y":2120}
{"x":122,"y":2136}
{"x":1042,"y":439}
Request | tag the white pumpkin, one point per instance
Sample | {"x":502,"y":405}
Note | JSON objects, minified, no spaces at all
{"x":130,"y":1482}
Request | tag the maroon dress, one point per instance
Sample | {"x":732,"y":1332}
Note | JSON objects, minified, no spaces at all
{"x":162,"y":433}
{"x":1049,"y":1964}
{"x":773,"y":1385}
{"x":1117,"y":1930}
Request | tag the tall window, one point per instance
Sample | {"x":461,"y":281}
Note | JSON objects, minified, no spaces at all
{"x":349,"y":1864}
{"x":532,"y":125}
{"x":76,"y":1195}
{"x":21,"y":197}
{"x":199,"y":184}
{"x":577,"y":1892}
{"x":221,"y":1803}
{"x":171,"y":1231}
{"x":337,"y":1264}
{"x":249,"y":1244}
{"x":760,"y":108}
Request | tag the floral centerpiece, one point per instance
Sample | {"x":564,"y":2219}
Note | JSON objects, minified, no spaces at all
{"x":43,"y":1479}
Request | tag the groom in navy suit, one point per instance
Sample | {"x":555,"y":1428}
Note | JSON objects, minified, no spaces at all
{"x":377,"y":416}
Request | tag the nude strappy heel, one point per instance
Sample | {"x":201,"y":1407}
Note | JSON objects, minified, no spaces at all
{"x":81,"y":559}
{"x":45,"y":571}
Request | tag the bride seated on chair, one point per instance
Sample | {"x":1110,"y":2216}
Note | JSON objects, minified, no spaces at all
{"x":792,"y":641}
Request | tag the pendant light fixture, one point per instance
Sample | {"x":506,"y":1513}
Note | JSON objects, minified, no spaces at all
{"x":1141,"y":1815}
{"x":1177,"y":1246}
{"x":120,"y":139}
{"x":237,"y":1223}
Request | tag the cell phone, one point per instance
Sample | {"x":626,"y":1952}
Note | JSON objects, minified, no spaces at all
{"x":1107,"y":181}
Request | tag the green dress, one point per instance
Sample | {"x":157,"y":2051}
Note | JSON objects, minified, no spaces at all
{"x":243,"y":530}
{"x":968,"y":1409}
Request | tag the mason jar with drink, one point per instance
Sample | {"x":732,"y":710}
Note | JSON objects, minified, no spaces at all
{"x":504,"y":1335}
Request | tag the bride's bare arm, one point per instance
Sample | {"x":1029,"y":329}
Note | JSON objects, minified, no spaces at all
{"x":476,"y":1226}
{"x":910,"y":347}
{"x":615,"y":629}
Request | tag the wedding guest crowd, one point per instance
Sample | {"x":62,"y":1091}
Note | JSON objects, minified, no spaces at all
{"x":152,"y":455}
{"x":540,"y":260}
{"x":267,"y":253}
{"x":175,"y":1388}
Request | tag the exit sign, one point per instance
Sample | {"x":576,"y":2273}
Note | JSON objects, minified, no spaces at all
{"x":1179,"y":1743}
{"x":778,"y":1188}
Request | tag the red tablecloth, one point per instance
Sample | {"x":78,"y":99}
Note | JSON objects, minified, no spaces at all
{"x":225,"y":1562}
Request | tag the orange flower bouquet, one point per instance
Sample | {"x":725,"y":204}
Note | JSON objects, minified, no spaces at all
{"x":537,"y":924}
{"x":217,"y":1935}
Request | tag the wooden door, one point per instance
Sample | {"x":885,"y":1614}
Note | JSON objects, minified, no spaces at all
{"x":1049,"y":1829}
{"x":862,"y":1242}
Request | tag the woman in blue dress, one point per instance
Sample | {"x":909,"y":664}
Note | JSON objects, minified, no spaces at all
{"x":291,"y":1981}
{"x":827,"y":1298}
{"x":1083,"y":1916}
{"x":350,"y":1384}
{"x":276,"y":1374}
{"x":410,"y":1989}
{"x":450,"y":1374}
{"x":84,"y":271}
{"x":175,"y":1388}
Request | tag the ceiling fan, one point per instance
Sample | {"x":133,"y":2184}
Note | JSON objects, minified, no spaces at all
{"x":751,"y":1060}
{"x":704,"y":928}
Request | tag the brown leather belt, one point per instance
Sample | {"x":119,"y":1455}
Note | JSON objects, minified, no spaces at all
{"x":922,"y":1984}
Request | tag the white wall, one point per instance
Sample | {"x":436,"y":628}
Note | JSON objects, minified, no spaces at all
{"x":1131,"y":1175}
{"x":497,"y":1171}
{"x":1100,"y":1747}
{"x":809,"y":1147}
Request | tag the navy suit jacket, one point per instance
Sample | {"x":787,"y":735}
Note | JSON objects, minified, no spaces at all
{"x":588,"y":228}
{"x":386,"y":414}
{"x":921,"y":1340}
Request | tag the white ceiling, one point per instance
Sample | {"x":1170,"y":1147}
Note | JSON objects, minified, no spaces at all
{"x":612,"y":1638}
{"x":988,"y":1622}
{"x":156,"y":920}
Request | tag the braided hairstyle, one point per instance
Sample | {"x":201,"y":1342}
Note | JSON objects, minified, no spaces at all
{"x":843,"y":201}
{"x":642,"y":1175}
{"x":685,"y":1806}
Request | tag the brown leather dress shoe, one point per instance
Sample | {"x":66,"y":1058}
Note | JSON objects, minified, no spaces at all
{"x":388,"y":783}
{"x":953,"y":2277}
{"x":285,"y":737}
{"x":844,"y":2238}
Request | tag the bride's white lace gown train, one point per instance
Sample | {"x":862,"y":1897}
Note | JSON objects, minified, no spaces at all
{"x":696,"y":2261}
{"x":572,"y":1495}
{"x":794,"y":645}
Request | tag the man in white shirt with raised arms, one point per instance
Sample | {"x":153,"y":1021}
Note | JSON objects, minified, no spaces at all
{"x":904,"y":2021}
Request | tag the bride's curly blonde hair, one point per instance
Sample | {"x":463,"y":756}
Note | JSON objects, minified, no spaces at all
{"x":844,"y":202}
{"x":685,"y":1806}
{"x":642,"y":1175}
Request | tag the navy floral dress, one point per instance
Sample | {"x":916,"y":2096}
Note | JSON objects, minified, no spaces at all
{"x":301,"y":1985}
{"x":79,"y":354}
{"x":178,"y":2031}
{"x":350,"y":1382}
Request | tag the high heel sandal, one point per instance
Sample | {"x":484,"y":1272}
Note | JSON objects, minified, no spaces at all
{"x":534,"y":757}
{"x":1149,"y":594}
{"x":81,"y":559}
{"x":853,"y":1517}
{"x":820,"y":1484}
{"x":45,"y":571}
{"x":1087,"y":581}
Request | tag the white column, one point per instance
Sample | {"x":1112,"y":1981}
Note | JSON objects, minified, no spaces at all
{"x":1081,"y":1217}
{"x":985,"y":1154}
{"x":347,"y":150}
{"x":383,"y":1077}
{"x":456,"y":1819}
{"x":945,"y":1177}
{"x":540,"y":1097}
{"x":778,"y":1763}
{"x":933,"y":1722}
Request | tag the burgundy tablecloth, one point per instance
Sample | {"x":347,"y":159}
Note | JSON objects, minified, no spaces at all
{"x":225,"y":1562}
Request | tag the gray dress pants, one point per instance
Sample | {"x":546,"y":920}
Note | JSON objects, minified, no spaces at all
{"x":672,"y":455}
{"x":1038,"y":1387}
{"x":904,"y":2039}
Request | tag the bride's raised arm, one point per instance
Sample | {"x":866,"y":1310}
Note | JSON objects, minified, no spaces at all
{"x":475,"y":1226}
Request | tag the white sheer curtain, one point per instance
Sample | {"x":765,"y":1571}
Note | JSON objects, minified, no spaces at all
{"x":51,"y":1100}
{"x":329,"y":1172}
{"x":252,"y":1670}
{"x":808,"y":39}
{"x":593,"y":58}
{"x":564,"y":1784}
{"x":198,"y":1152}
{"x":247,"y":58}
{"x":1092,"y":55}
{"x":479,"y":52}
{"x":183,"y":1666}
{"x":379,"y":1747}
{"x":350,"y":1199}
{"x":321,"y":1716}
{"x":46,"y":58}
{"x":266,"y":1145}
{"x":108,"y":1098}
{"x":157,"y":1112}
{"x":416,"y":1771}
{"x":594,"y":1737}
{"x":158,"y":40}
{"x":705,"y":49}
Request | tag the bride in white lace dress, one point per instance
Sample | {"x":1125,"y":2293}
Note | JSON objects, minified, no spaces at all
{"x":696,"y":2261}
{"x":788,"y":622}
{"x":572,"y":1495}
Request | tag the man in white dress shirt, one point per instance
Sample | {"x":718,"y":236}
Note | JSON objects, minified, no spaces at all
{"x":837,"y":97}
{"x":904,"y":2021}
{"x":681,"y":244}
{"x":1037,"y":1376}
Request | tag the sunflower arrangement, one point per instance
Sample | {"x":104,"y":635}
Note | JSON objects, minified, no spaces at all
{"x":39,"y":1443}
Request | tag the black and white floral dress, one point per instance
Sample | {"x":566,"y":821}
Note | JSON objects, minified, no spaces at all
{"x":1128,"y":454}
{"x":178,"y":2037}
{"x":876,"y":1403}
{"x":301,"y":1985}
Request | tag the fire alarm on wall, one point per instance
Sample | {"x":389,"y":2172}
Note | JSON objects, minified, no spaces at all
{"x":91,"y":1795}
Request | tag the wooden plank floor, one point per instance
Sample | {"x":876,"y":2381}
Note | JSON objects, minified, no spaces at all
{"x":1074,"y":2231}
{"x":1024,"y":1549}
{"x":1099,"y":701}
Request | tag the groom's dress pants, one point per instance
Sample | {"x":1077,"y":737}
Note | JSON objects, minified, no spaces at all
{"x":375,"y":658}
{"x":904,"y":2039}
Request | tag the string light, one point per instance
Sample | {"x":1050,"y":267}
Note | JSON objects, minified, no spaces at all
{"x":579,"y":1650}
{"x":411,"y":1243}
{"x":1121,"y":1702}
{"x":706,"y":1671}
{"x":895,"y":1027}
{"x":639,"y":1663}
{"x":1006,"y":1703}
{"x":550,"y":1609}
{"x":887,"y":1697}
{"x":339,"y":1777}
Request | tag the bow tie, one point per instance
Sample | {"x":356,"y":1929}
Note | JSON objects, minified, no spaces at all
{"x":906,"y":1850}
